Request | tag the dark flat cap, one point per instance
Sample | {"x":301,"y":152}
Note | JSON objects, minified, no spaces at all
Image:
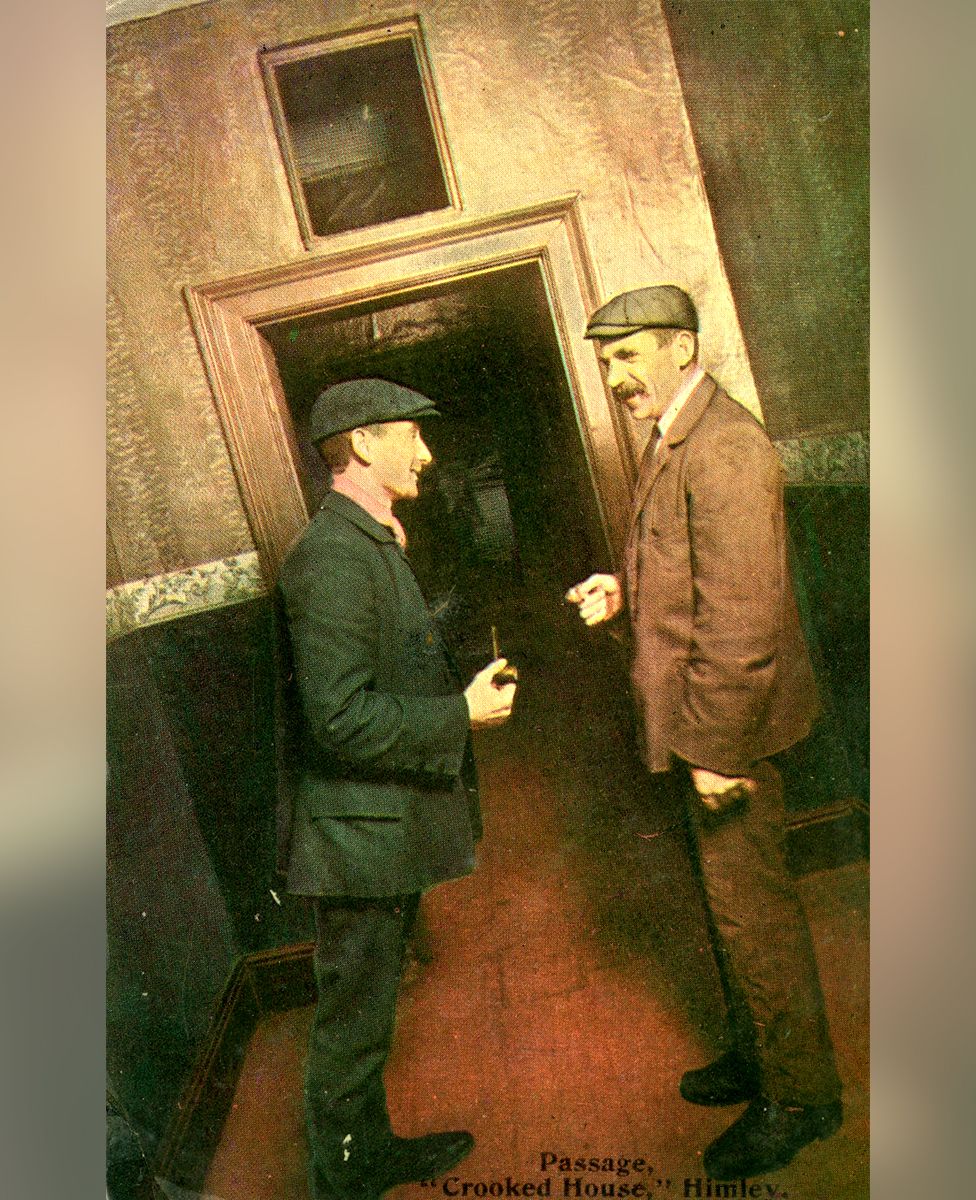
{"x":358,"y":402}
{"x":664,"y":307}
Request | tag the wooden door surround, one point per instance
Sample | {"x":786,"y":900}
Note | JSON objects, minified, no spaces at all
{"x":227,"y":316}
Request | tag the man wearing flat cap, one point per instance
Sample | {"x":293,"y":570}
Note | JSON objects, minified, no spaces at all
{"x":381,"y":801}
{"x":722,"y":682}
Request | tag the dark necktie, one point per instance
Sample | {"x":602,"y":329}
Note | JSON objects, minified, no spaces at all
{"x":643,"y":479}
{"x":652,"y":444}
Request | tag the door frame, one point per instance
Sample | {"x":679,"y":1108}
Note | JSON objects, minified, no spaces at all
{"x":243,"y":375}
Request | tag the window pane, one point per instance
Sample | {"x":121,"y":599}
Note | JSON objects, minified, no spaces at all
{"x":361,"y":139}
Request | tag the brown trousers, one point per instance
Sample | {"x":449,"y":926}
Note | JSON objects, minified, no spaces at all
{"x":763,"y":947}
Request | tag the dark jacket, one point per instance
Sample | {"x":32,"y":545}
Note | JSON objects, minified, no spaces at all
{"x":378,"y":788}
{"x":720,"y":672}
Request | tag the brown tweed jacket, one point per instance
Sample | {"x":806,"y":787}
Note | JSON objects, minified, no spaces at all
{"x":720,"y":670}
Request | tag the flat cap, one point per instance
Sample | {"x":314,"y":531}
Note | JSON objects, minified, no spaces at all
{"x":663,"y":307}
{"x":358,"y":402}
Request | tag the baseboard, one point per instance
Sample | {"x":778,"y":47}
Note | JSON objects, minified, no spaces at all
{"x":276,"y":980}
{"x":828,"y":838}
{"x":260,"y":984}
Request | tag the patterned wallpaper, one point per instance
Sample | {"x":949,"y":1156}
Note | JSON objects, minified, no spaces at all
{"x":197,"y":193}
{"x":835,"y":458}
{"x":161,"y":598}
{"x":840,"y":459}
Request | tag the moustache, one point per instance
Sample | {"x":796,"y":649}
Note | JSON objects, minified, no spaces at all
{"x":624,"y":392}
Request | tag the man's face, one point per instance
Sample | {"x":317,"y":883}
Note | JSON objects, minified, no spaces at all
{"x":642,"y":375}
{"x":398,"y":455}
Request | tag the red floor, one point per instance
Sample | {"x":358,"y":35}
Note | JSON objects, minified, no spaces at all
{"x":569,"y":987}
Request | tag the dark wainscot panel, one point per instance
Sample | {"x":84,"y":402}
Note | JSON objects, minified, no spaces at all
{"x":197,"y":917}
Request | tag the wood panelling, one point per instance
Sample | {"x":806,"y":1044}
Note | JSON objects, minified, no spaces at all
{"x":245,"y":382}
{"x":778,"y":100}
{"x":190,"y":843}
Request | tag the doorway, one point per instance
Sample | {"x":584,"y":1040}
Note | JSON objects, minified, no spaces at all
{"x":508,"y":517}
{"x":502,"y":294}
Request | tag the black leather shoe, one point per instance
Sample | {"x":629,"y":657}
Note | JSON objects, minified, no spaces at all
{"x":767,"y":1136}
{"x":731,"y":1079}
{"x":392,"y":1162}
{"x":411,"y":1159}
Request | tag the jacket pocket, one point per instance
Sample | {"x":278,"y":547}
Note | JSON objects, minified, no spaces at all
{"x":354,"y":798}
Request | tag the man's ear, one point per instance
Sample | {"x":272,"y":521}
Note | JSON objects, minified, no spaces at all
{"x":684,"y":348}
{"x":362,"y":446}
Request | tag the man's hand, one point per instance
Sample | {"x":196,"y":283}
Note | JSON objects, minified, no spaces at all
{"x":488,"y":703}
{"x":709,"y":785}
{"x":598,"y":598}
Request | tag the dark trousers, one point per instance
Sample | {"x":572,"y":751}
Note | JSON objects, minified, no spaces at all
{"x":358,"y":962}
{"x":763,"y":947}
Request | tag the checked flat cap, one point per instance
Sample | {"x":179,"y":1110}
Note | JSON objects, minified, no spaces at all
{"x":663,"y":307}
{"x":357,"y":402}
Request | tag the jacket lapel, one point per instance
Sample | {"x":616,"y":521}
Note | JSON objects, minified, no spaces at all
{"x":653,"y":464}
{"x":359,"y":517}
{"x":691,"y":413}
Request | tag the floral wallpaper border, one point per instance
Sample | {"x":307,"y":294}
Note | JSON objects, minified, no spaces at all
{"x":196,"y":589}
{"x":826,"y":458}
{"x":837,"y":458}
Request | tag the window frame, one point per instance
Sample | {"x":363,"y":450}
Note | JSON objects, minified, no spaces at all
{"x":270,"y":59}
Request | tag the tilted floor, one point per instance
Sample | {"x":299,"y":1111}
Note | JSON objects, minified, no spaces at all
{"x":569,"y":984}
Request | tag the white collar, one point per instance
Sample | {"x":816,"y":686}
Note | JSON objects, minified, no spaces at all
{"x":666,"y":420}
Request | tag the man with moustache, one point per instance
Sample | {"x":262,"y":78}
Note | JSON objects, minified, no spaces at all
{"x":722,"y":683}
{"x":380,"y":801}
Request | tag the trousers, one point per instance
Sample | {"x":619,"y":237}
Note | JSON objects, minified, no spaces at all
{"x":763,"y":947}
{"x":358,"y":963}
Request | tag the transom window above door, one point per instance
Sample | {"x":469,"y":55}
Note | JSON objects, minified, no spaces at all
{"x":359,"y":129}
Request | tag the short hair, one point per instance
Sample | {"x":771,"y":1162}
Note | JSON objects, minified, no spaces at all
{"x":337,"y":450}
{"x":664,"y":337}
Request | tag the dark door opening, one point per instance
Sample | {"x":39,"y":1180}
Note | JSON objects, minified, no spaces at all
{"x":507,"y":518}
